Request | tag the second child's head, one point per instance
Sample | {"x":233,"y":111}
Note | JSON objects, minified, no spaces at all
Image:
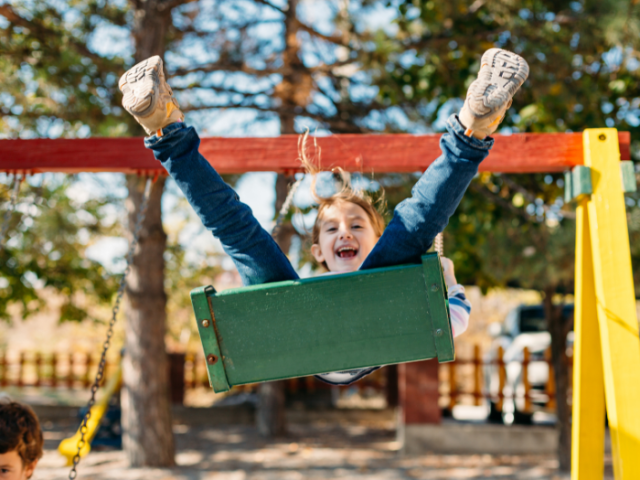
{"x":20,"y":441}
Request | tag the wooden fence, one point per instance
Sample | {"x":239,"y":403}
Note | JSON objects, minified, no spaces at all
{"x":462,"y":381}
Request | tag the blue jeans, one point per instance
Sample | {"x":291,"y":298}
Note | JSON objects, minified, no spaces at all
{"x":416,"y":220}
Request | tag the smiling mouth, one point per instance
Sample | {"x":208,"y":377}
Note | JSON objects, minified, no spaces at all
{"x":347,"y":252}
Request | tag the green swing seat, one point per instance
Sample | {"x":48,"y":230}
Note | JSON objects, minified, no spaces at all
{"x":324,"y":324}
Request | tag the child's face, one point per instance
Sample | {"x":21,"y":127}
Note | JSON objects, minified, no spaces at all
{"x":11,"y":467}
{"x":346,"y":237}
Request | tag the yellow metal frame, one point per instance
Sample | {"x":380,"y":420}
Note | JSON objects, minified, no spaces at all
{"x":607,"y":345}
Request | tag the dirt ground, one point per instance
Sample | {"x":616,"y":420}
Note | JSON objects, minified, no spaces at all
{"x":308,"y":452}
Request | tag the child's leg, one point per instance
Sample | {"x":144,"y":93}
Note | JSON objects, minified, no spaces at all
{"x":256,"y":255}
{"x":418,"y":219}
{"x":149,"y":98}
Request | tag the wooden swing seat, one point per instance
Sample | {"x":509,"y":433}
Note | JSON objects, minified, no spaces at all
{"x":324,"y":324}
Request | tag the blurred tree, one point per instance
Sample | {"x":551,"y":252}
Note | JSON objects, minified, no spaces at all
{"x":48,"y":235}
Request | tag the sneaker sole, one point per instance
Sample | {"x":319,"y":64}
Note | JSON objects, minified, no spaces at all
{"x":501,"y":75}
{"x":140,"y":86}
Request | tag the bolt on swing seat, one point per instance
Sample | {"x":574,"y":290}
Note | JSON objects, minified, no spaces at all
{"x":325,"y":324}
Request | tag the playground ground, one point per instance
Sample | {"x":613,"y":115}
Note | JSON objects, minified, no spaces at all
{"x":308,"y":452}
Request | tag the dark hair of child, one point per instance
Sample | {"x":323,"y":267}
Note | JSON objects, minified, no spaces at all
{"x":20,"y":431}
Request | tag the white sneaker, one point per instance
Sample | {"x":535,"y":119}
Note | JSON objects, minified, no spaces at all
{"x":148,"y":96}
{"x":488,"y":98}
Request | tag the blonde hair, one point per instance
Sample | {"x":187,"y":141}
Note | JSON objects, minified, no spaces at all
{"x":347,"y":193}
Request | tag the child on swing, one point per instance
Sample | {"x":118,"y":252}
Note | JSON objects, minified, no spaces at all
{"x":349,"y":232}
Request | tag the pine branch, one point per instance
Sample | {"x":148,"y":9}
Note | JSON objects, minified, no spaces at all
{"x":335,"y":39}
{"x":223,"y":90}
{"x":227,"y":67}
{"x":272,"y":6}
{"x":171,"y":4}
{"x":44,"y":33}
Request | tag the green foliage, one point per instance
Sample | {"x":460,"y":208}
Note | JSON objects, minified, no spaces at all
{"x":46,"y":249}
{"x":53,"y":83}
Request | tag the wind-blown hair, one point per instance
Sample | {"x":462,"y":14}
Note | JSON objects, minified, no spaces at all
{"x":346,"y":193}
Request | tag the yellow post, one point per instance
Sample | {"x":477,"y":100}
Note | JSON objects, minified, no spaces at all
{"x":587,"y":445}
{"x":615,"y":300}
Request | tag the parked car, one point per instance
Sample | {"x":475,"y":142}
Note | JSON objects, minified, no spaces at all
{"x":524,"y":327}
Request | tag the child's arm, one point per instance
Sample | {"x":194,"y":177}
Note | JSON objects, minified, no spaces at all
{"x":256,"y":255}
{"x":436,"y":195}
{"x":459,"y":306}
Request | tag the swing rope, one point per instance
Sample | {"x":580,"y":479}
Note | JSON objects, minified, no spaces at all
{"x":438,"y":244}
{"x":116,"y":308}
{"x":13,"y":200}
{"x":285,"y":207}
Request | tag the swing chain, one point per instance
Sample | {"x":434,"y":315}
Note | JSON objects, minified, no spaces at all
{"x":285,"y":207}
{"x":116,"y":308}
{"x":13,"y":199}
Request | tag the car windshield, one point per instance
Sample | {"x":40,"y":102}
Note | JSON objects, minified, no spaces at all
{"x":532,"y":320}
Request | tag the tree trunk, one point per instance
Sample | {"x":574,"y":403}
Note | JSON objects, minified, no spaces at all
{"x":146,"y":409}
{"x":559,"y":328}
{"x":270,"y":413}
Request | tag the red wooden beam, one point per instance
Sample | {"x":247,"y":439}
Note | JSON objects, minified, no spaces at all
{"x":519,"y":153}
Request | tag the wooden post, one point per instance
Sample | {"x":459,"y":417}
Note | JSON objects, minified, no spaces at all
{"x":292,"y":385}
{"x":526,"y":356}
{"x":192,"y":358}
{"x":87,"y":371}
{"x":502,"y":377}
{"x":311,"y":385}
{"x":3,"y":370}
{"x":550,"y":387}
{"x":392,"y":385}
{"x":612,"y":282}
{"x":38,"y":368}
{"x":21,"y":361}
{"x":176,"y":377}
{"x":419,"y":392}
{"x":54,"y":370}
{"x":70,"y":373}
{"x":477,"y":375}
{"x":205,"y":380}
{"x":453,"y":388}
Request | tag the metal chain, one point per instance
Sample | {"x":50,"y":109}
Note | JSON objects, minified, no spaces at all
{"x":438,"y":244}
{"x":13,"y":199}
{"x":285,"y":207}
{"x":107,"y":343}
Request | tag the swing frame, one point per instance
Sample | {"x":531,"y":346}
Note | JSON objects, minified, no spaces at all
{"x":607,"y":344}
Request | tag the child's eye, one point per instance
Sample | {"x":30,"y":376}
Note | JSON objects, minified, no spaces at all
{"x":356,"y":226}
{"x":331,"y":229}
